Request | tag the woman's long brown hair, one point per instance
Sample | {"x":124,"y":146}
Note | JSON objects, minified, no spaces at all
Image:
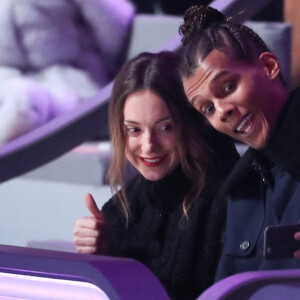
{"x":158,"y":73}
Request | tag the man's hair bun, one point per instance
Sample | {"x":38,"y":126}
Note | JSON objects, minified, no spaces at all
{"x":199,"y":17}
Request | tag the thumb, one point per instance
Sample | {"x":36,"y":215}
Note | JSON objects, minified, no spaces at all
{"x":93,"y":208}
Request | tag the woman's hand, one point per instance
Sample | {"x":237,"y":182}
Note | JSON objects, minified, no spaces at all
{"x":91,"y":233}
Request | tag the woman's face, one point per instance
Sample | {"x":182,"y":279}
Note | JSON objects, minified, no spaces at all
{"x":237,"y":98}
{"x":151,"y":138}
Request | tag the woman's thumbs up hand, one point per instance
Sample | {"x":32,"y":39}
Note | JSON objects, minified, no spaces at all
{"x":91,"y":233}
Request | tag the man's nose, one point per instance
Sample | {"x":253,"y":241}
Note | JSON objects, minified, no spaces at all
{"x":223,"y":109}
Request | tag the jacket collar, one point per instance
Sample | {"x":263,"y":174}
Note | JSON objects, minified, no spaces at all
{"x":284,"y":147}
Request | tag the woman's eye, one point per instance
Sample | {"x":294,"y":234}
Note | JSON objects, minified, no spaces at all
{"x":165,"y":127}
{"x":132,"y":130}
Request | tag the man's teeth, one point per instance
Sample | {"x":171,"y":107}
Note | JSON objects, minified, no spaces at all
{"x":242,"y":124}
{"x":149,"y":160}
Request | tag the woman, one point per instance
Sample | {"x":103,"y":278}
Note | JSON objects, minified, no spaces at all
{"x":232,"y":78}
{"x":169,"y":216}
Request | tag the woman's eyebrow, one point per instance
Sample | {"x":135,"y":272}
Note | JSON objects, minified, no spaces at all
{"x":163,"y":119}
{"x":157,"y":121}
{"x":131,"y":122}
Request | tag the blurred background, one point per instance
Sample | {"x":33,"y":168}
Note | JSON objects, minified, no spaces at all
{"x":58,"y":59}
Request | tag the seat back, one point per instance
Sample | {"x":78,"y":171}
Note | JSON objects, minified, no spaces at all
{"x":40,"y":274}
{"x":257,"y":285}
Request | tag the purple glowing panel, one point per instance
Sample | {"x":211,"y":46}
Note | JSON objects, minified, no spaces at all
{"x":115,"y":278}
{"x":256,"y":285}
{"x":16,"y":286}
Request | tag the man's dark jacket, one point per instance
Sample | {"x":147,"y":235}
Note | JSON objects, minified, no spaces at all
{"x":263,"y":190}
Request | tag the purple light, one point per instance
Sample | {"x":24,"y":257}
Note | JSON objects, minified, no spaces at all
{"x":16,"y":286}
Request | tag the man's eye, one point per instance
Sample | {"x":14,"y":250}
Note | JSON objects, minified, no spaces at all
{"x":208,"y":109}
{"x":229,"y":87}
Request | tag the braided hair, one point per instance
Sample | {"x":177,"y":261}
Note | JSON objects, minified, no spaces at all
{"x":206,"y":29}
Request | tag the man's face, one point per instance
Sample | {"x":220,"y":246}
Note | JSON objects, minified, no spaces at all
{"x":236,"y":97}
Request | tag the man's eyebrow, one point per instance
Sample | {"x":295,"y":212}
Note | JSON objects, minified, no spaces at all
{"x":218,"y":76}
{"x":194,"y":99}
{"x":212,"y":82}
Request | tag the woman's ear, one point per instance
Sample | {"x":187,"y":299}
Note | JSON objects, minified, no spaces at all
{"x":270,"y":64}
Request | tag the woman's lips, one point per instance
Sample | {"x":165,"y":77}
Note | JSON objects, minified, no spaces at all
{"x":153,"y":161}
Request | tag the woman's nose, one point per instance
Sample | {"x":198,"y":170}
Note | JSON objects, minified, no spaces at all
{"x":148,"y":142}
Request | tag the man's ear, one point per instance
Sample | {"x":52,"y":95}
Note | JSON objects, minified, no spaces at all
{"x":270,"y":64}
